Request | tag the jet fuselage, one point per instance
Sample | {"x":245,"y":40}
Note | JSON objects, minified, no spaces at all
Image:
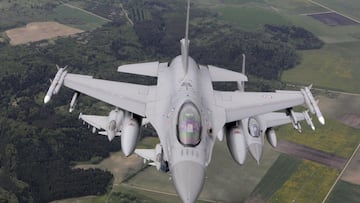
{"x":187,"y":138}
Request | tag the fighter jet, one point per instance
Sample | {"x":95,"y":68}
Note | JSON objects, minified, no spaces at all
{"x":188,"y":114}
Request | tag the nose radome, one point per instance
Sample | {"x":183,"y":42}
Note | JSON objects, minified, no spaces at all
{"x":188,"y":179}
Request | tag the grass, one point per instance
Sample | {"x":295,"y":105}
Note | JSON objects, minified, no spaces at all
{"x":295,"y":7}
{"x":150,"y":196}
{"x":310,"y":183}
{"x":334,"y":67}
{"x":250,"y":17}
{"x":76,"y":18}
{"x":276,"y":176}
{"x":291,"y":10}
{"x":333,"y":137}
{"x":348,"y":7}
{"x":86,"y":199}
{"x":345,"y":192}
{"x":148,"y":143}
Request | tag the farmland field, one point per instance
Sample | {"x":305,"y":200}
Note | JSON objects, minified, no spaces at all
{"x":275,"y":177}
{"x":335,"y":66}
{"x":250,"y":18}
{"x":350,"y":7}
{"x":309,"y":183}
{"x":334,"y":108}
{"x":295,"y":7}
{"x":333,"y":19}
{"x":333,"y":137}
{"x":345,"y":192}
{"x":39,"y":31}
{"x":76,"y":18}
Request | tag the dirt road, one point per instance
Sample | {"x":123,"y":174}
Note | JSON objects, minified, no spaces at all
{"x":311,"y":154}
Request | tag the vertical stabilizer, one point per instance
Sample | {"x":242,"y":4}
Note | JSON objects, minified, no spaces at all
{"x":185,"y":42}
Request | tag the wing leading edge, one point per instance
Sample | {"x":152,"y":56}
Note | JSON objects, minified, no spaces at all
{"x":240,"y":105}
{"x":131,"y":97}
{"x":127,"y":96}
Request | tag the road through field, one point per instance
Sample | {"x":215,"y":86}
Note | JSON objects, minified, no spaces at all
{"x":322,"y":5}
{"x":339,"y":176}
{"x":85,"y":11}
{"x":311,"y":154}
{"x":159,"y":192}
{"x":325,"y":90}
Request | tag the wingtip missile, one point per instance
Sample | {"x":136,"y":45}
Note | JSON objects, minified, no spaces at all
{"x":313,"y":105}
{"x":73,"y":102}
{"x":55,"y":84}
{"x":321,"y":120}
{"x":47,"y":99}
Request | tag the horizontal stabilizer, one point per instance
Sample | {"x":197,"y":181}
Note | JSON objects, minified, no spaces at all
{"x":99,"y":122}
{"x":106,"y":134}
{"x":148,"y":154}
{"x":148,"y":69}
{"x":223,"y":75}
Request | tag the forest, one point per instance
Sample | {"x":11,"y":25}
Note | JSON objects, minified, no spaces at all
{"x":39,"y":143}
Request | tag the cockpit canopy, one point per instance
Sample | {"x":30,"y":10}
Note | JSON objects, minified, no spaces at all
{"x":189,"y":125}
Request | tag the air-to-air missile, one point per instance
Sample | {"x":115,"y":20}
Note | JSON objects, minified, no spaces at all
{"x":56,"y":83}
{"x":73,"y":101}
{"x":312,"y":104}
{"x":308,"y":119}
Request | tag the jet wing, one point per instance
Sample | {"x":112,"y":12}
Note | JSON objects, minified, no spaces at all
{"x":131,"y":97}
{"x":240,"y":105}
{"x":275,"y":119}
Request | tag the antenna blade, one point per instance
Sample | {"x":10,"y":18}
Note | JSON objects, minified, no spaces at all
{"x":243,"y":64}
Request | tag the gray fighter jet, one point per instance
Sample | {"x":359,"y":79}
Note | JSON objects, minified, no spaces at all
{"x":188,"y":114}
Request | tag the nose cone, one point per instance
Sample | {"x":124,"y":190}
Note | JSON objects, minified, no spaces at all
{"x":188,"y":179}
{"x":256,"y":151}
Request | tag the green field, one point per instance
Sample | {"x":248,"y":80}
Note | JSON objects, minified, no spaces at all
{"x":309,"y":183}
{"x":249,"y":17}
{"x":275,"y":177}
{"x":349,"y":7}
{"x":344,"y":192}
{"x":333,"y":137}
{"x":295,"y":7}
{"x":76,"y":18}
{"x":333,"y":67}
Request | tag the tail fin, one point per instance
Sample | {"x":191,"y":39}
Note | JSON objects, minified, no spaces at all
{"x":185,"y":42}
